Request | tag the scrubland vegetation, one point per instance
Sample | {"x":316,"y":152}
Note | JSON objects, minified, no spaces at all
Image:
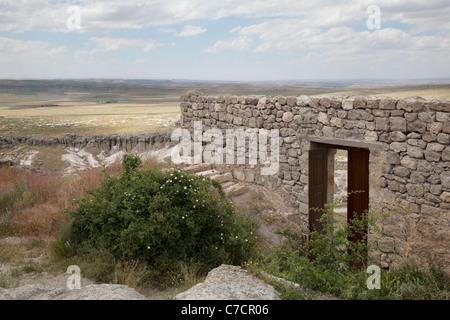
{"x":331,"y":267}
{"x":142,"y":225}
{"x":148,"y":225}
{"x":138,"y":224}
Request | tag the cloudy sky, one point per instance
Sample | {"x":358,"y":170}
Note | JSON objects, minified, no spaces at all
{"x":225,"y":40}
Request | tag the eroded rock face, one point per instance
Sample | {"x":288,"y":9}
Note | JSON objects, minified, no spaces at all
{"x":72,"y":153}
{"x":230,"y":283}
{"x":123,"y":142}
{"x":91,"y":292}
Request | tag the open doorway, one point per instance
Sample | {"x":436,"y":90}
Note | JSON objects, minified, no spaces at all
{"x":340,"y":186}
{"x":334,"y":171}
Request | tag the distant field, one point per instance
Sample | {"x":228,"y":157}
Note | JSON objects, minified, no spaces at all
{"x":86,"y":118}
{"x":442,"y":94}
{"x":401,"y":93}
{"x":57,"y":107}
{"x":90,"y":111}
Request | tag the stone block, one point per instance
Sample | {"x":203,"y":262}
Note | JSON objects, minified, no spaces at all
{"x":417,"y":126}
{"x":443,"y":138}
{"x":381,"y":124}
{"x":432,"y":156}
{"x":397,"y":124}
{"x":347,"y":104}
{"x":387,"y":104}
{"x":445,"y":179}
{"x":445,"y":197}
{"x":443,"y":117}
{"x":415,"y":190}
{"x":398,"y":136}
{"x":393,"y":158}
{"x":386,"y":244}
{"x":409,"y":162}
{"x":427,"y":116}
{"x":398,"y":146}
{"x":401,"y":171}
{"x":239,"y":175}
{"x":288,"y":116}
{"x":415,"y":152}
{"x":436,"y":147}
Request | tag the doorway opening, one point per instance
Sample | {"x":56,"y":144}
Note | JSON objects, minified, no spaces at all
{"x":338,"y":174}
{"x":340,"y":192}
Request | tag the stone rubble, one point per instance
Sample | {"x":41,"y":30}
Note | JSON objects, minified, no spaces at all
{"x":90,"y":292}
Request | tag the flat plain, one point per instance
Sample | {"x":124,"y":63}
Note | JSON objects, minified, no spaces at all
{"x":90,"y":107}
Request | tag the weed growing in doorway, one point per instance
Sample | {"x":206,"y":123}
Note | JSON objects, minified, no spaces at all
{"x":328,"y":263}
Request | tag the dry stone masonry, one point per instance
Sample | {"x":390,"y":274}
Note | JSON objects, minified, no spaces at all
{"x":409,"y":144}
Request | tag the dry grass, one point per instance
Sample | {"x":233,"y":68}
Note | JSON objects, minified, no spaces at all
{"x":33,"y":203}
{"x":130,"y":273}
{"x":38,"y":220}
{"x":88,"y":118}
{"x":441,"y":94}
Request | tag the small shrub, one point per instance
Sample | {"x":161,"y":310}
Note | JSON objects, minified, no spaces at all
{"x":161,"y":218}
{"x":131,"y":273}
{"x":4,"y":222}
{"x":8,"y":281}
{"x":97,"y":264}
{"x":63,"y":246}
{"x":327,"y":262}
{"x":411,"y":283}
{"x":130,"y":163}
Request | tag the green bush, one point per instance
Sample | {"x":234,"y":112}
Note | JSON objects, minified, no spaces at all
{"x":162,"y":218}
{"x":328,"y":262}
{"x":411,"y":283}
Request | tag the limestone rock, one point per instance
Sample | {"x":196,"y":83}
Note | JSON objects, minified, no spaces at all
{"x":288,"y":117}
{"x":91,"y":292}
{"x":230,"y":283}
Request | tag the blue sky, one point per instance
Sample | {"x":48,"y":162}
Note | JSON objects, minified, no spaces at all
{"x":225,"y":40}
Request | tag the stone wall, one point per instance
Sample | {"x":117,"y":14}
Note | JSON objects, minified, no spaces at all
{"x":409,"y":144}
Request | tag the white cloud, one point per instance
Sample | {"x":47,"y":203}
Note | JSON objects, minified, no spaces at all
{"x":42,"y":15}
{"x":114,"y":44}
{"x":165,"y":30}
{"x":142,"y":61}
{"x":14,"y":49}
{"x":190,"y":31}
{"x":297,"y":33}
{"x":294,"y":36}
{"x":242,"y":43}
{"x":30,"y":58}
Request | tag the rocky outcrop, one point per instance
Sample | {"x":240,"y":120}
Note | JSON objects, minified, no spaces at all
{"x":122,"y":142}
{"x":71,"y":153}
{"x":91,"y":292}
{"x":230,"y":283}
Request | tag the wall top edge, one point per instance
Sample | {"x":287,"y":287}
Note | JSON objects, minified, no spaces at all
{"x":268,"y":98}
{"x":409,"y":104}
